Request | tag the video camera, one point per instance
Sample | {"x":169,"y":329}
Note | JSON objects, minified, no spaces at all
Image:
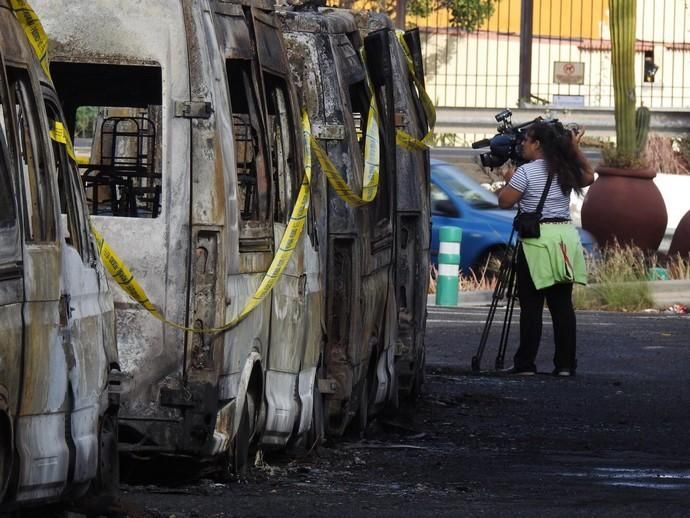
{"x":507,"y":143}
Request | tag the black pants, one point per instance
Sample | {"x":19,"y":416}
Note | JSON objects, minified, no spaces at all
{"x":560,"y":302}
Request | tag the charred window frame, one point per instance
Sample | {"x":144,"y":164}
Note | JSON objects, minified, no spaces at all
{"x":360,"y":99}
{"x":39,"y":214}
{"x":70,"y":194}
{"x":353,"y":72}
{"x":123,"y":176}
{"x":252,"y":177}
{"x":281,"y":132}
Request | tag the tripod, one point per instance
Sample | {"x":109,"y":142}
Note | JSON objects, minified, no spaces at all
{"x":505,"y":286}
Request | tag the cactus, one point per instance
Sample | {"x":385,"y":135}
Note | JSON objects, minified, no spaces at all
{"x":642,"y":117}
{"x":622,"y":20}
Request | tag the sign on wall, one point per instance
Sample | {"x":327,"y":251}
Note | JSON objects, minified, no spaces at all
{"x":568,"y":72}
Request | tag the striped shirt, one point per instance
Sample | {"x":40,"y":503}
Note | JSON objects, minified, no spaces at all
{"x":530,"y":180}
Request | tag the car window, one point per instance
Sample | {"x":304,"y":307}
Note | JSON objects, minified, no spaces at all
{"x":437,"y":196}
{"x":467,"y":188}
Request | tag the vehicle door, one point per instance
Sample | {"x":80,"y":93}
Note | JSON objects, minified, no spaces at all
{"x":290,"y":317}
{"x":40,"y":428}
{"x":11,"y":293}
{"x":89,"y":333}
{"x":251,"y":215}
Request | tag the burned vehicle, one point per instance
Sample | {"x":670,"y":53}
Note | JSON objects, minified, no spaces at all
{"x":58,"y":397}
{"x":193,"y":172}
{"x":269,"y":163}
{"x":405,"y":80}
{"x":355,"y":238}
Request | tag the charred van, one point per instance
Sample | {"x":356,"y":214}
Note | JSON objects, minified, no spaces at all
{"x":58,"y":397}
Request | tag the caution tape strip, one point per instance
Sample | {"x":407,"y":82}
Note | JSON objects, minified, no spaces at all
{"x":34,"y":31}
{"x":59,"y":134}
{"x":404,"y":139}
{"x":372,"y":156}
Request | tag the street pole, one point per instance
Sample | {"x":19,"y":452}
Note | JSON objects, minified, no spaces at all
{"x":400,"y":7}
{"x":526,"y":24}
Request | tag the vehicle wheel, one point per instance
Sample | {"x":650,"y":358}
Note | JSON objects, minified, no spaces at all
{"x":104,"y":490}
{"x":315,"y":434}
{"x":240,"y":444}
{"x":416,"y":389}
{"x":109,"y":459}
{"x":5,"y":454}
{"x":363,"y":410}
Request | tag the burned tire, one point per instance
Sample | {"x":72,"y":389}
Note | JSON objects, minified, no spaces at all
{"x":362,"y":419}
{"x":5,"y":453}
{"x":316,"y":433}
{"x":105,"y":488}
{"x":240,"y":444}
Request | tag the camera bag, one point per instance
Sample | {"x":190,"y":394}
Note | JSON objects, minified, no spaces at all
{"x":526,"y":224}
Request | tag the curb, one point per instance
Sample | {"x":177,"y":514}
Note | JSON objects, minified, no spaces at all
{"x":664,"y":293}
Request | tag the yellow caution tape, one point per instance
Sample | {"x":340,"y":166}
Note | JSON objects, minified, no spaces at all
{"x":408,"y":142}
{"x":370,"y":181}
{"x":60,"y":135}
{"x":34,"y":31}
{"x":124,"y":277}
{"x":30,"y":23}
{"x":428,"y":105}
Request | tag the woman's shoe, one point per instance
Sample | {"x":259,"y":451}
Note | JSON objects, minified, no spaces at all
{"x":563,"y":373}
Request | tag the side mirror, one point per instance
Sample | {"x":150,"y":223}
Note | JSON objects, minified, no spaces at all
{"x":446,"y":208}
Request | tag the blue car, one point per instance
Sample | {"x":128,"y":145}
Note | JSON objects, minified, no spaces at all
{"x":458,"y":200}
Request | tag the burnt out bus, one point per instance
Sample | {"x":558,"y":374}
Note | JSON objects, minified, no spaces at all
{"x":192,"y":174}
{"x":356,"y":244}
{"x":413,"y":207}
{"x":58,"y":397}
{"x":268,"y":149}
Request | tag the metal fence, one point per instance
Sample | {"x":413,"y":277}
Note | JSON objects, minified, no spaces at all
{"x":570,"y":56}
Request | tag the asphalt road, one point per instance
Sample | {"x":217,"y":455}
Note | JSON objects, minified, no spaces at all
{"x":613,"y":441}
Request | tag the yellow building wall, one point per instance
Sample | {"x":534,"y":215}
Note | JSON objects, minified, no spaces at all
{"x":565,"y":18}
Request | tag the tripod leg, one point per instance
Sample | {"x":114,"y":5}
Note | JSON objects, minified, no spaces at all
{"x":499,"y":290}
{"x":477,"y":358}
{"x":508,"y":317}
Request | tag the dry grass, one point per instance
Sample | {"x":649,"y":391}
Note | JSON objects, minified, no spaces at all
{"x":667,"y":155}
{"x":618,"y":277}
{"x":484,"y":279}
{"x":478,"y":282}
{"x":677,"y":267}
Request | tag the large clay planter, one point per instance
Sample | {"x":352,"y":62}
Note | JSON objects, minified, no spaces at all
{"x":680,"y":244}
{"x":625,"y":205}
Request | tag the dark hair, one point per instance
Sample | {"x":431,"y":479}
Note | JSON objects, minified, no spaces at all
{"x":561,"y":154}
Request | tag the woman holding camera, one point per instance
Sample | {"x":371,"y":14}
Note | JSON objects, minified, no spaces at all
{"x":548,"y":265}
